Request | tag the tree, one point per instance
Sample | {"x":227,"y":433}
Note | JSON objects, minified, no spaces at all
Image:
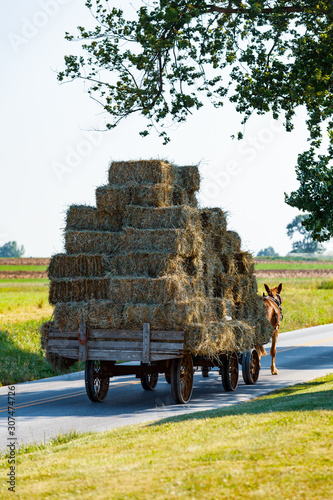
{"x":267,"y":252}
{"x":264,"y":55}
{"x":11,"y":249}
{"x":307,"y":244}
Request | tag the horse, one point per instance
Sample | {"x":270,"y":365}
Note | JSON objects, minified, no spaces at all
{"x":273,"y":303}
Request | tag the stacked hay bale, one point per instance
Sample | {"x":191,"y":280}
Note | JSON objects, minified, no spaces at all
{"x":147,"y":253}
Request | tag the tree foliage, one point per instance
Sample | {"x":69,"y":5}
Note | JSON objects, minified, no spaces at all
{"x":11,"y":249}
{"x":307,"y":244}
{"x":264,"y":55}
{"x":267,"y":252}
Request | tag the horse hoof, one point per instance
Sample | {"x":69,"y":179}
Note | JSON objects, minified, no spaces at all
{"x":275,"y":372}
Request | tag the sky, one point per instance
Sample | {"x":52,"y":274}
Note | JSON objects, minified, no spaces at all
{"x":52,"y":156}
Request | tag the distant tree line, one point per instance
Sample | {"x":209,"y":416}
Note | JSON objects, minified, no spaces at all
{"x":304,"y":245}
{"x":11,"y":249}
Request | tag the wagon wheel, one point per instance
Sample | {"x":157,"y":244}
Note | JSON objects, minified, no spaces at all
{"x":250,"y":367}
{"x":96,"y":386}
{"x":229,"y":371}
{"x":182,"y":379}
{"x":149,"y":381}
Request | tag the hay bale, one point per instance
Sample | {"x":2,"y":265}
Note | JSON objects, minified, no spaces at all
{"x":180,"y":217}
{"x":107,"y":314}
{"x":95,"y":313}
{"x":222,"y":308}
{"x":78,"y":289}
{"x":171,"y":316}
{"x":153,"y":290}
{"x":232,"y":242}
{"x":83,"y":265}
{"x":173,"y":241}
{"x":116,"y":198}
{"x":213,"y":220}
{"x":154,"y":264}
{"x":188,"y":178}
{"x":244,"y":263}
{"x":131,"y":173}
{"x":93,"y":242}
{"x":215,"y":338}
{"x":90,"y":218}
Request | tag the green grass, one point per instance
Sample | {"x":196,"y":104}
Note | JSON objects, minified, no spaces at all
{"x":296,"y":258}
{"x":279,"y":446}
{"x":292,"y":265}
{"x":306,"y":301}
{"x":23,"y":268}
{"x":24,"y":299}
{"x":21,"y":357}
{"x":23,"y":307}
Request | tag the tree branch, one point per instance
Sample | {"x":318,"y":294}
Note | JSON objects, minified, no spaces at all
{"x":239,"y":10}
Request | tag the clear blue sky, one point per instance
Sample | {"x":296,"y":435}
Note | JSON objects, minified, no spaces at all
{"x":51,"y":159}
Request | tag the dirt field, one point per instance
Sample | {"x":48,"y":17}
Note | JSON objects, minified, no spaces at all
{"x":294,"y":273}
{"x":22,"y":275}
{"x":25,"y":262}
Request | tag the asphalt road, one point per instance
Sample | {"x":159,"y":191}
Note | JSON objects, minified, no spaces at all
{"x":49,"y":407}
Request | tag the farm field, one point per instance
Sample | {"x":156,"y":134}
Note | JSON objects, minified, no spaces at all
{"x":24,"y":306}
{"x":216,"y":454}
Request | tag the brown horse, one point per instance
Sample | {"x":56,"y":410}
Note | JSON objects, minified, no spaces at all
{"x":273,"y":303}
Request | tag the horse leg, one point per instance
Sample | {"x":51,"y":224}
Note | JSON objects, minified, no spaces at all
{"x":273,"y":351}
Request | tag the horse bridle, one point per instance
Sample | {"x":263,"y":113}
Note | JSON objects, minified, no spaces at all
{"x":278,"y":301}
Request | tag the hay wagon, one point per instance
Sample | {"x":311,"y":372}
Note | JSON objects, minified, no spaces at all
{"x":155,"y":352}
{"x":149,"y":277}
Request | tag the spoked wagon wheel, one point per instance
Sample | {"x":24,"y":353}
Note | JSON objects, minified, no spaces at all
{"x":229,"y":371}
{"x":182,"y":379}
{"x":149,"y":381}
{"x":96,"y":386}
{"x":250,"y":367}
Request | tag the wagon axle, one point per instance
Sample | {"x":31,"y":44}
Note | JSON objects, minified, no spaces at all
{"x":179,"y":372}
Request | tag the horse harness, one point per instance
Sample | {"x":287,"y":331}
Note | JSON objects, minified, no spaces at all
{"x":277,"y":301}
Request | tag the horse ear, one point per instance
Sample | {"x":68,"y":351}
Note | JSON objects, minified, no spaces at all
{"x":267,"y":288}
{"x":279,"y":288}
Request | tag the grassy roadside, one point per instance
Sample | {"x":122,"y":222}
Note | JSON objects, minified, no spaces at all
{"x":23,"y":307}
{"x":278,"y":446}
